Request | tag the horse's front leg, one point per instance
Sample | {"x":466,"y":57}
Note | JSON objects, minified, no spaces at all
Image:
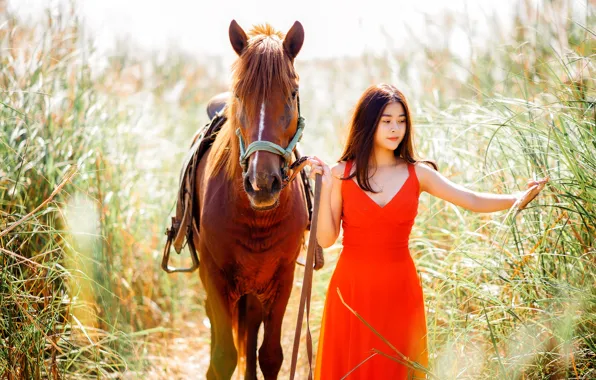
{"x":271,"y":354}
{"x":224,"y":356}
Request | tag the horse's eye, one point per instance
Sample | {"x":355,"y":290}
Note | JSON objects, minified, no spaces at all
{"x":294,"y":93}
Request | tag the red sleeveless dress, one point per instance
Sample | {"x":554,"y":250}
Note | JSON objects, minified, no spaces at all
{"x":378,"y":279}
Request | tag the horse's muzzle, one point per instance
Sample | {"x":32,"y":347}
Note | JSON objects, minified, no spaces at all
{"x":263,"y":190}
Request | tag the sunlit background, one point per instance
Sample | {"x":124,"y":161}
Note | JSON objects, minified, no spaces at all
{"x":334,"y":28}
{"x":500,"y":92}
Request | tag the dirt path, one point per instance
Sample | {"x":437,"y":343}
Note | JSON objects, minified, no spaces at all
{"x":184,"y":353}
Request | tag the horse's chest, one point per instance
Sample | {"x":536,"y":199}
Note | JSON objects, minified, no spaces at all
{"x":256,"y":243}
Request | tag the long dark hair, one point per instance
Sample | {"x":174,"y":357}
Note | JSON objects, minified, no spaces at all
{"x":363,"y":126}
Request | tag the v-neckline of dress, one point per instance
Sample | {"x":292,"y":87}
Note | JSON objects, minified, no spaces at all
{"x":392,"y":198}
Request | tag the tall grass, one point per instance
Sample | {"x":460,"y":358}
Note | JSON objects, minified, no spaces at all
{"x":78,"y":281}
{"x":81,"y":292}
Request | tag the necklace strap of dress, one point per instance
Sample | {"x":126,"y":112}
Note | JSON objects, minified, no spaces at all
{"x":413,"y":176}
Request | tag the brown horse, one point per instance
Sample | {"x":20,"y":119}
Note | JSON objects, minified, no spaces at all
{"x":251,"y":227}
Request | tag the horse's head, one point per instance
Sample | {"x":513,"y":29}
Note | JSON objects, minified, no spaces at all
{"x":265,"y":106}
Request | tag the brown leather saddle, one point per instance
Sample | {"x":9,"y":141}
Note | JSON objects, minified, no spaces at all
{"x":183,"y":226}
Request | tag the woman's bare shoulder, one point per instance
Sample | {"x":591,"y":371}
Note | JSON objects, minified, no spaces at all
{"x":425,"y":173}
{"x":338,"y":169}
{"x":423,"y":167}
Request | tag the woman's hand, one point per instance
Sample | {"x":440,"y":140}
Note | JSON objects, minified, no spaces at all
{"x":534,"y":188}
{"x":319,"y":166}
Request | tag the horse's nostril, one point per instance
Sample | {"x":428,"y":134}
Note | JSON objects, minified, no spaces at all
{"x":248,"y":185}
{"x":276,"y":185}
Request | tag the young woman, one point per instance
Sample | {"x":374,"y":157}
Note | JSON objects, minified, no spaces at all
{"x":373,"y":192}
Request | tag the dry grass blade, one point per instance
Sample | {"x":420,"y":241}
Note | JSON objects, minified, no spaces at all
{"x":24,"y":259}
{"x":402,"y":358}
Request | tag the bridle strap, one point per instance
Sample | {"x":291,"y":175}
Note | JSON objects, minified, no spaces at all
{"x":271,"y":147}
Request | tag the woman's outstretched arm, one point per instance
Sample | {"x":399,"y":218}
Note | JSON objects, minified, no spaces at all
{"x":436,"y":184}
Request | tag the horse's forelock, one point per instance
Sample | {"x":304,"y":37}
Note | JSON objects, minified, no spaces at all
{"x":265,"y":30}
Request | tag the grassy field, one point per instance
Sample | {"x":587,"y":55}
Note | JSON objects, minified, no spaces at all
{"x":91,"y":146}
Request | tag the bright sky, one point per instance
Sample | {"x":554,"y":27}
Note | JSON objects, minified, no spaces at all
{"x":333,"y":27}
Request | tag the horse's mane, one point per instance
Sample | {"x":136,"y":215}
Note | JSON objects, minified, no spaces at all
{"x":262,"y":67}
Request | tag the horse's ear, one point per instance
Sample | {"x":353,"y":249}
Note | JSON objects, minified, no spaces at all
{"x":237,"y":37}
{"x":294,"y":39}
